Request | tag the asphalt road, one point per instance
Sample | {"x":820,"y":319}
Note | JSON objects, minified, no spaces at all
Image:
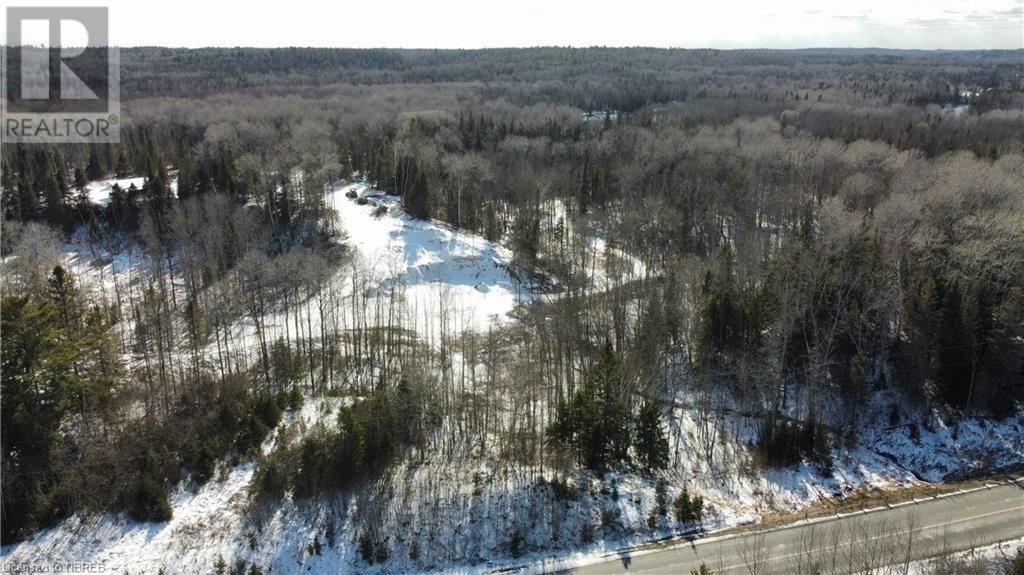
{"x":847,"y":544}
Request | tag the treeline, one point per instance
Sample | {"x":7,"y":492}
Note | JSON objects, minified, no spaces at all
{"x":592,"y":78}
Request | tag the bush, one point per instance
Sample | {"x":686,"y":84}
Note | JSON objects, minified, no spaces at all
{"x":314,"y":547}
{"x":587,"y":534}
{"x":609,"y":516}
{"x":688,"y":508}
{"x":203,"y":464}
{"x":414,"y":551}
{"x":784,"y":443}
{"x":372,"y":550}
{"x":1016,"y":567}
{"x":314,"y":469}
{"x":272,"y":478}
{"x":517,"y":545}
{"x":288,"y":364}
{"x":366,"y":548}
{"x":563,"y":490}
{"x":661,"y":497}
{"x":147,"y":501}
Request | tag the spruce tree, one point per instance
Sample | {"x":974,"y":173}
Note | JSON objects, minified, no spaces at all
{"x":595,"y":423}
{"x":124,"y":165}
{"x":54,"y":193}
{"x":651,"y":445}
{"x":94,"y":171}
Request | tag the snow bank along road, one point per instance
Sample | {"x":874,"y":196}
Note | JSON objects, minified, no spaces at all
{"x":927,"y":527}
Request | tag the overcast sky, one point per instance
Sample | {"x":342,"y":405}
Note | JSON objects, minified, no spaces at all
{"x":951,"y":24}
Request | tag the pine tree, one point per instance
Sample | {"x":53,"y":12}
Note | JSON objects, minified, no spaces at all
{"x":186,"y":177}
{"x":124,"y":165}
{"x":80,"y":181}
{"x":37,"y":372}
{"x":595,"y":422}
{"x":81,"y":185}
{"x":688,"y":508}
{"x":53,"y":192}
{"x":415,"y":199}
{"x":651,"y":444}
{"x":94,"y":171}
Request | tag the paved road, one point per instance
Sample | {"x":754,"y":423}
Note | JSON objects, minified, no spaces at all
{"x":846,"y":544}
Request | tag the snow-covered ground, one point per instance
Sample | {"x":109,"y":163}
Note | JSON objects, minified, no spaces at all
{"x":99,"y":191}
{"x":460,"y":516}
{"x":992,"y":559}
{"x":476,"y":514}
{"x":442,"y":270}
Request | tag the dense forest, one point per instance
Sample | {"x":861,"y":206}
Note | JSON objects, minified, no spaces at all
{"x":783,"y":234}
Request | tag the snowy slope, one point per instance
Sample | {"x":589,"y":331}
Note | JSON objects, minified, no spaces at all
{"x":442,"y":269}
{"x":207,"y":522}
{"x":420,"y":275}
{"x":462,"y":516}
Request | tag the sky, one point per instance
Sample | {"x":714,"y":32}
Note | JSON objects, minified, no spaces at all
{"x":921,"y":24}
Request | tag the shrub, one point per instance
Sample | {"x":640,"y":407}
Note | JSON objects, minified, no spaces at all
{"x":783,"y":443}
{"x":272,"y":479}
{"x":517,"y":545}
{"x":414,"y":551}
{"x":203,"y":464}
{"x":563,"y":490}
{"x":587,"y":534}
{"x":294,"y":398}
{"x":314,"y":469}
{"x":661,"y":497}
{"x":609,"y":516}
{"x":1016,"y":566}
{"x":147,"y":501}
{"x":372,"y":550}
{"x":366,"y":548}
{"x":688,"y":508}
{"x":288,"y":364}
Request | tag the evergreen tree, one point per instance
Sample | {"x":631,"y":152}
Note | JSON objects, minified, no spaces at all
{"x":595,"y":423}
{"x":124,"y":165}
{"x":94,"y":171}
{"x":38,"y":373}
{"x":186,"y":177}
{"x":415,"y":199}
{"x":651,"y":444}
{"x":80,"y":181}
{"x":688,"y":508}
{"x":81,"y":184}
{"x":54,"y":193}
